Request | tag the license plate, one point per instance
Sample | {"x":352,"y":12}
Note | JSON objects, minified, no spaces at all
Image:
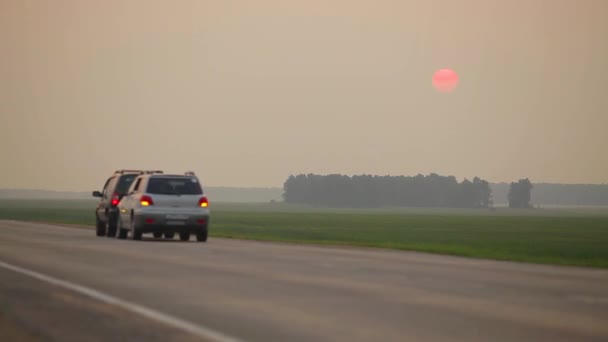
{"x":176,"y":223}
{"x":177,"y":217}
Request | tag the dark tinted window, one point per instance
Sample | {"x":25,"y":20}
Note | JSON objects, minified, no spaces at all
{"x":124,"y":183}
{"x":136,"y":188}
{"x":174,"y":186}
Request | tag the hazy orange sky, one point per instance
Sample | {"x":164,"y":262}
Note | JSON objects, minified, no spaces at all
{"x":247,"y":92}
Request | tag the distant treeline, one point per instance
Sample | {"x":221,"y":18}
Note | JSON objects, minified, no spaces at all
{"x":542,"y":194}
{"x":373,"y":191}
{"x":558,"y":194}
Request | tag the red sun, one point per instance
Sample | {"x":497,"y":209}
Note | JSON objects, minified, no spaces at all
{"x":445,"y":80}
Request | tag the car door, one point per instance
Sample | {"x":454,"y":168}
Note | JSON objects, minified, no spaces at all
{"x":103,"y":201}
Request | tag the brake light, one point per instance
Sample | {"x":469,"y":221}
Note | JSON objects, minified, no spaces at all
{"x":115,"y":199}
{"x":146,"y":201}
{"x":203,"y":202}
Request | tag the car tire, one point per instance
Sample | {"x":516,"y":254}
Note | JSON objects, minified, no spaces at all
{"x":169,"y":236}
{"x":112,"y":227}
{"x":158,"y":235}
{"x":122,"y":232}
{"x":184,"y":236}
{"x":201,"y":235}
{"x":136,"y":234}
{"x":100,"y":227}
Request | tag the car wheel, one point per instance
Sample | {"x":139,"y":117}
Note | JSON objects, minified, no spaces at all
{"x":100,"y":227}
{"x":112,"y":227}
{"x":169,"y":236}
{"x":184,"y":236}
{"x":135,"y":233}
{"x":158,"y":235}
{"x":201,"y":235}
{"x":122,"y":232}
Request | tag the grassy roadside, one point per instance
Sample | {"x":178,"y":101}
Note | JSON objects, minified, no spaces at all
{"x":565,"y":237}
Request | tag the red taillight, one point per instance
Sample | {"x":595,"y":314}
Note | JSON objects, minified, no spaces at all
{"x":201,"y":221}
{"x":149,"y":220}
{"x":115,"y":199}
{"x":203,"y":202}
{"x":146,"y":201}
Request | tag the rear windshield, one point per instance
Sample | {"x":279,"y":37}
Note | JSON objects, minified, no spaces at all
{"x":124,"y":183}
{"x":174,"y":186}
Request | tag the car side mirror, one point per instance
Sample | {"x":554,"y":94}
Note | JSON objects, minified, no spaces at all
{"x":96,"y":194}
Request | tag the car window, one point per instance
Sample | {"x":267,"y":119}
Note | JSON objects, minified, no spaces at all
{"x":106,"y":187}
{"x":136,"y":187}
{"x":124,"y":183}
{"x":174,"y":186}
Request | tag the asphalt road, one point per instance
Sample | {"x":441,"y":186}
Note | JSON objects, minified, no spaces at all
{"x":279,"y":292}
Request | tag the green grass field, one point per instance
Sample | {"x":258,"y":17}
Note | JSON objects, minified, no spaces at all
{"x":576,"y":236}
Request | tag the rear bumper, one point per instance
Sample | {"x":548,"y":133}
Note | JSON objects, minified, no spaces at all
{"x":112,"y":213}
{"x":157,"y":228}
{"x":148,"y":221}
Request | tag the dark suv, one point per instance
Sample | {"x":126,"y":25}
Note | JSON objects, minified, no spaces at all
{"x":106,"y":213}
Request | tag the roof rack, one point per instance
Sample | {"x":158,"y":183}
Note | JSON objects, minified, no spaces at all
{"x":127,"y":171}
{"x":189,"y":173}
{"x":151,"y":172}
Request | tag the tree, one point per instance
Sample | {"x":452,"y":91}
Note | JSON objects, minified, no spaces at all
{"x":483,"y":193}
{"x":520,"y":194}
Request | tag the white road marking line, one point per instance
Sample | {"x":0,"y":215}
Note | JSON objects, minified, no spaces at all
{"x":172,"y":321}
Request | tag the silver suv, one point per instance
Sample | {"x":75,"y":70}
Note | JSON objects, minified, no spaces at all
{"x":164,"y":204}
